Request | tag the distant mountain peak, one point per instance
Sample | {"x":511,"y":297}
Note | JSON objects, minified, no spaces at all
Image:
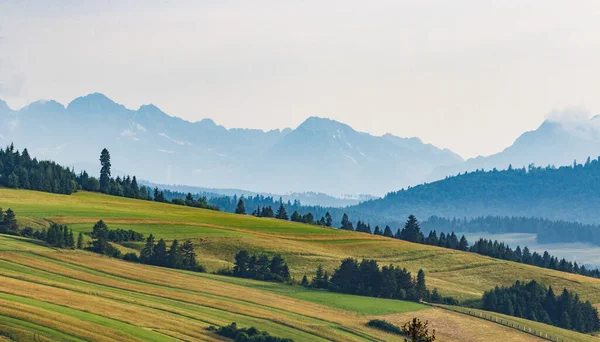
{"x":95,"y":102}
{"x":315,"y":123}
{"x":49,"y":106}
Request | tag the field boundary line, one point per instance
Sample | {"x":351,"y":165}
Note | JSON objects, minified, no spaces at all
{"x":501,"y":321}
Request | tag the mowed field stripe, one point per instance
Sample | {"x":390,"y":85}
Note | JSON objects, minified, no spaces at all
{"x":246,"y":313}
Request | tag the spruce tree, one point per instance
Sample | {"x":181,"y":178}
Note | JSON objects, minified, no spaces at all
{"x":10,"y":222}
{"x":346,"y":224}
{"x":105,"y":171}
{"x":100,"y":235}
{"x":281,"y":213}
{"x":174,"y":255}
{"x":388,"y":232}
{"x":241,"y":208}
{"x":328,"y":219}
{"x":188,"y":256}
{"x":147,"y":253}
{"x":159,"y":257}
{"x":421,"y":288}
{"x":80,"y":241}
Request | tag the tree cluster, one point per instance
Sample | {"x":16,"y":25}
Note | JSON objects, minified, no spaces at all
{"x":264,"y":212}
{"x":57,"y":236}
{"x":178,"y":256}
{"x":500,"y":250}
{"x":100,"y":242}
{"x":547,"y":231}
{"x":260,"y":267}
{"x":190,"y":201}
{"x":18,"y":170}
{"x":537,"y":303}
{"x":121,"y":235}
{"x":8,"y":222}
{"x":252,"y":334}
{"x":365,"y":278}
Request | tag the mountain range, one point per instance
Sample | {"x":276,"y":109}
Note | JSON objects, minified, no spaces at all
{"x":320,"y":155}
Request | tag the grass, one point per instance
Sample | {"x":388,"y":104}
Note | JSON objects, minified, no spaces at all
{"x":565,"y":335}
{"x":79,"y":295}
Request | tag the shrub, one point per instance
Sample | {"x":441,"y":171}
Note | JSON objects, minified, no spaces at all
{"x":385,"y":326}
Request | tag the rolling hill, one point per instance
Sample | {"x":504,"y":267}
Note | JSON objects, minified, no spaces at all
{"x":74,"y":295}
{"x":568,"y":193}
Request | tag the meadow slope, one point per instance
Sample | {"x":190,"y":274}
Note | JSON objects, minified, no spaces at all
{"x":76,"y":295}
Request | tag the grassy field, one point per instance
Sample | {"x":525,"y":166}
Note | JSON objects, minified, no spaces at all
{"x":75,"y":295}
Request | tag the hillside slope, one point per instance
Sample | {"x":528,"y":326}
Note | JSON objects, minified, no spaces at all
{"x":71,"y":295}
{"x":569,"y":193}
{"x":218,"y":236}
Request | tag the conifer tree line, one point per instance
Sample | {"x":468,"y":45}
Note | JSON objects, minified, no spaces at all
{"x":179,"y":256}
{"x":19,"y":170}
{"x":366,"y":278}
{"x":282,"y":214}
{"x":547,"y":231}
{"x":259,"y":267}
{"x":501,"y":251}
{"x":121,"y":235}
{"x":412,"y":232}
{"x":537,"y":303}
{"x":56,"y":235}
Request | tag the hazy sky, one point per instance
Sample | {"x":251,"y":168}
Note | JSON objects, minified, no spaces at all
{"x":467,"y":75}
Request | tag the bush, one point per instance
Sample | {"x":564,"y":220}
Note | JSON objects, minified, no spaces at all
{"x":246,"y":335}
{"x":131,"y":257}
{"x":225,"y":272}
{"x":27,"y":232}
{"x":385,"y":326}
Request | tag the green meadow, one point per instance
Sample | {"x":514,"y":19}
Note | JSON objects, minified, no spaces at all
{"x":51,"y":294}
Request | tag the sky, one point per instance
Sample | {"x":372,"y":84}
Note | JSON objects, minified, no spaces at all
{"x":468,"y":75}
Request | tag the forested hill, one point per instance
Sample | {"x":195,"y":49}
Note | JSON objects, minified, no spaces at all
{"x":569,"y":193}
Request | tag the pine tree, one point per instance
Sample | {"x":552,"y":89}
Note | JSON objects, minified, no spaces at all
{"x":105,"y":171}
{"x":70,"y":240}
{"x":9,"y":223}
{"x":328,"y":219}
{"x":159,"y":251}
{"x":100,"y":235}
{"x":463,"y":245}
{"x":281,"y":213}
{"x":304,"y":281}
{"x":80,"y":241}
{"x":188,"y":256}
{"x":412,"y":231}
{"x":147,"y":253}
{"x":346,"y":224}
{"x":421,"y":288}
{"x":388,"y":232}
{"x":241,"y":208}
{"x":174,"y":255}
{"x":296,"y":217}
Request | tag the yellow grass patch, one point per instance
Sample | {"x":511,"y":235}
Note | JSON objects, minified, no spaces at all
{"x":454,"y":327}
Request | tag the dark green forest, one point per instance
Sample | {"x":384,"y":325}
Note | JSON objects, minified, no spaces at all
{"x":547,"y":231}
{"x":537,"y":303}
{"x":569,"y":193}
